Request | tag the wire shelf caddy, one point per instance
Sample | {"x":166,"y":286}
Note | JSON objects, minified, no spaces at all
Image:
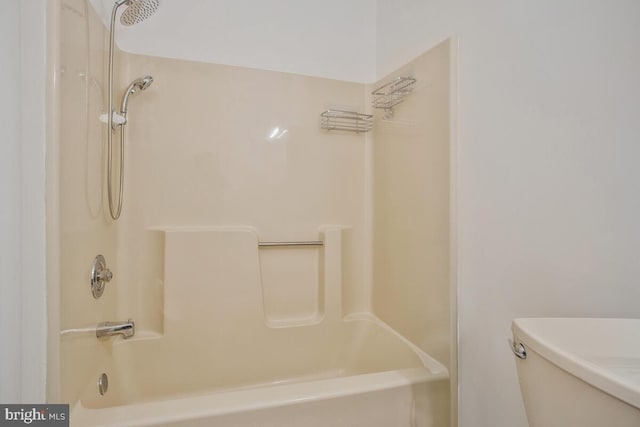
{"x":349,"y":121}
{"x":393,"y":93}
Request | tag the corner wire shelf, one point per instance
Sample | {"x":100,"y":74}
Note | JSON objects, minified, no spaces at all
{"x":392,"y":93}
{"x":348,"y":121}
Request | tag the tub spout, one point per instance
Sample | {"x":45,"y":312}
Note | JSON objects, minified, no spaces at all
{"x":108,"y":329}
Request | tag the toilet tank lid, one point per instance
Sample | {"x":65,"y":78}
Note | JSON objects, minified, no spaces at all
{"x":602,"y":352}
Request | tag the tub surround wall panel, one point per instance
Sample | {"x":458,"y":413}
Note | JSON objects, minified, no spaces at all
{"x":212,"y":281}
{"x":291,"y":284}
{"x":411,"y":207}
{"x":214,"y":145}
{"x":83,"y":228}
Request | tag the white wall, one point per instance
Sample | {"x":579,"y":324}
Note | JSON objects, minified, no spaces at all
{"x":34,"y":78}
{"x":22,"y":256}
{"x":333,"y":38}
{"x":549,"y":187}
{"x":10,"y":207}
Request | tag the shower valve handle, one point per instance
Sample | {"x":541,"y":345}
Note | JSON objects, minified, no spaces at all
{"x":100,"y":276}
{"x":105,"y":275}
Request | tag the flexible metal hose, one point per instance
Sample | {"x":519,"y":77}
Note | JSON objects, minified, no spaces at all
{"x":114,"y":212}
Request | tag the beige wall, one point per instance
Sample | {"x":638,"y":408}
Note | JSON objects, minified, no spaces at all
{"x":411,"y":208}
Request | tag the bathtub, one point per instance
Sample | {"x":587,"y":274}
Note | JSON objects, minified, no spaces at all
{"x":358,"y":372}
{"x":228,"y":354}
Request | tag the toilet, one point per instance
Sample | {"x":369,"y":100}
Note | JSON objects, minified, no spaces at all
{"x":578,"y":372}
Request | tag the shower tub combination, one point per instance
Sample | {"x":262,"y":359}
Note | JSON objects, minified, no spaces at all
{"x":232,"y":331}
{"x":221,"y":359}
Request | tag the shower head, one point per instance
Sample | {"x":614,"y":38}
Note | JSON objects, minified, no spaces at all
{"x":138,"y":10}
{"x":141,"y":83}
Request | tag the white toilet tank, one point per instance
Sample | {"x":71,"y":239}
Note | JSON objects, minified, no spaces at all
{"x":579,"y":372}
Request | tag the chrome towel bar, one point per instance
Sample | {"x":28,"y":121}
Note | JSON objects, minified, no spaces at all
{"x":301,"y":243}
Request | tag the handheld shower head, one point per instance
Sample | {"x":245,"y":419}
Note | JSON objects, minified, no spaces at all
{"x":141,"y":83}
{"x":138,"y":10}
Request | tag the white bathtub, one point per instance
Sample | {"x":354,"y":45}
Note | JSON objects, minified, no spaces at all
{"x":357,"y":372}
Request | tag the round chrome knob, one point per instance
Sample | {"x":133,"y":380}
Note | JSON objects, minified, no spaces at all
{"x":100,"y":276}
{"x":105,"y":275}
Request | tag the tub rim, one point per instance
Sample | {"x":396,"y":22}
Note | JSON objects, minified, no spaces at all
{"x":184,"y":408}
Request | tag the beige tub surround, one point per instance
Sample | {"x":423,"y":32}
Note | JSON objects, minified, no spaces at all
{"x":413,"y":279}
{"x":77,"y":225}
{"x":411,"y":198}
{"x":203,"y":152}
{"x":275,"y":273}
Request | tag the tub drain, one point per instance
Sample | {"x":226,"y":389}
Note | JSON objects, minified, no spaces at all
{"x":103,"y":384}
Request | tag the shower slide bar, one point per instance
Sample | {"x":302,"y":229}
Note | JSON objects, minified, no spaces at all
{"x":300,"y":243}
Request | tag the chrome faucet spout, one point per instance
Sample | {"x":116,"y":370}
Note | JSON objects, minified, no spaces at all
{"x":107,"y":329}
